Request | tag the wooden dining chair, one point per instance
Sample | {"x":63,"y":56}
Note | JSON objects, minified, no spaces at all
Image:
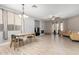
{"x":14,"y":41}
{"x":31,"y":37}
{"x":21,"y":42}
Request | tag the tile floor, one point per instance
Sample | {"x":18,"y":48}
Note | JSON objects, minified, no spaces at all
{"x":45,"y":45}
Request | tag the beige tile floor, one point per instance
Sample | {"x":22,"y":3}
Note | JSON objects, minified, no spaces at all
{"x":45,"y":45}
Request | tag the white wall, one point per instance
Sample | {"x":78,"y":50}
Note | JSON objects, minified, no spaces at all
{"x":73,"y":24}
{"x":66,"y":25}
{"x":29,"y":25}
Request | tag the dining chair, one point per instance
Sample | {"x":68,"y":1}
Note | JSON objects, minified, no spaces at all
{"x":31,"y":37}
{"x":21,"y":41}
{"x":16,"y":41}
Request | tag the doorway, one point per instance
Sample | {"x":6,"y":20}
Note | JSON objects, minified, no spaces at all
{"x":57,"y":27}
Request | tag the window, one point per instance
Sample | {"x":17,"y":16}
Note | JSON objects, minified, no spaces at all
{"x":10,"y":18}
{"x":1,"y":22}
{"x":61,"y":26}
{"x":17,"y":22}
{"x":57,"y":27}
{"x":10,"y":25}
{"x":52,"y":27}
{"x":0,"y":16}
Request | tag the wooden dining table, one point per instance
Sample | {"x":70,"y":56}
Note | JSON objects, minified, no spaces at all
{"x":24,"y":34}
{"x":20,"y":38}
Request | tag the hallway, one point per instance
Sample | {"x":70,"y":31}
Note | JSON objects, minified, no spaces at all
{"x":45,"y":45}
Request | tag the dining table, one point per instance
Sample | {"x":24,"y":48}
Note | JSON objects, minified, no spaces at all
{"x":24,"y":34}
{"x":21,"y":38}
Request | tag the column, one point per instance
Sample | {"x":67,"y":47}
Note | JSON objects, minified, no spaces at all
{"x":4,"y":18}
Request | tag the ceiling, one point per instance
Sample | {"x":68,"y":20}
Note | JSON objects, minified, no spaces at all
{"x":45,"y":11}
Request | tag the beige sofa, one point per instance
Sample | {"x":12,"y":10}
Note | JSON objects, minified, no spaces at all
{"x":74,"y":36}
{"x":66,"y":33}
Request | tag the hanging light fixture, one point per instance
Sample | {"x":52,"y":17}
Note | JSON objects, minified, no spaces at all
{"x":34,"y":6}
{"x":23,"y":14}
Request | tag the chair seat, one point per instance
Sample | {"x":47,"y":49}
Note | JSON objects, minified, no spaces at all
{"x":20,"y":39}
{"x":15,"y":41}
{"x":29,"y":36}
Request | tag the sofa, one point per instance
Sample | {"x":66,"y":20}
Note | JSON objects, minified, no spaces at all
{"x":66,"y":33}
{"x":74,"y":36}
